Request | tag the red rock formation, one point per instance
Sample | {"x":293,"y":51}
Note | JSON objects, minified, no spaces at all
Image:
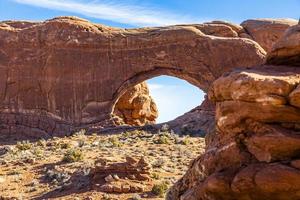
{"x":67,"y":72}
{"x":129,"y":177}
{"x":254,"y":152}
{"x":136,"y":107}
{"x":267,"y":32}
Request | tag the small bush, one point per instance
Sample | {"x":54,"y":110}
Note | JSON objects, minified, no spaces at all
{"x":158,"y":163}
{"x":186,"y":141}
{"x":24,"y":145}
{"x":160,"y":189}
{"x":42,"y":143}
{"x":65,"y":145}
{"x":57,"y":177}
{"x":163,"y":140}
{"x":115,"y":142}
{"x":38,"y":152}
{"x":73,"y":155}
{"x":155,"y":176}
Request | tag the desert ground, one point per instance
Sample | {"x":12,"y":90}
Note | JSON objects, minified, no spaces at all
{"x":62,"y":168}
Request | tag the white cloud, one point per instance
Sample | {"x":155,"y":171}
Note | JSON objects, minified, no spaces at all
{"x":113,"y":11}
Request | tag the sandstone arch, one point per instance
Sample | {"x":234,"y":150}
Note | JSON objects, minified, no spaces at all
{"x":67,"y":72}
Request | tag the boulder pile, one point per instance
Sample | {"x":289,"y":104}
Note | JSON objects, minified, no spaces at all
{"x":254,"y":152}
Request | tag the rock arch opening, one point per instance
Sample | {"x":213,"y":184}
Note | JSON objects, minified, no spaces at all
{"x":157,"y":100}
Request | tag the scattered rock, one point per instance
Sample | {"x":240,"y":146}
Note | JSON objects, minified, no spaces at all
{"x":130,"y":176}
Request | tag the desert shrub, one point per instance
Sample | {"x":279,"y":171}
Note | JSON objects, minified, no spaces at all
{"x":57,"y":177}
{"x":155,"y":176}
{"x":115,"y":142}
{"x":73,"y":155}
{"x":160,"y":189}
{"x":24,"y":145}
{"x":82,"y":132}
{"x":158,"y":163}
{"x":42,"y":143}
{"x":38,"y":152}
{"x":186,"y":141}
{"x":81,"y":143}
{"x":65,"y":145}
{"x":163,"y":139}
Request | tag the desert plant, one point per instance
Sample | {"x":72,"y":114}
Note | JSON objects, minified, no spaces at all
{"x":24,"y":145}
{"x":186,"y":141}
{"x":73,"y":155}
{"x":160,"y":189}
{"x":158,"y":163}
{"x":65,"y":145}
{"x":81,"y":143}
{"x":155,"y":176}
{"x":57,"y":177}
{"x":42,"y":143}
{"x":115,"y":142}
{"x":162,"y":140}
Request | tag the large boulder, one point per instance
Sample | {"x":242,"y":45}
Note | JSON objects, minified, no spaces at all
{"x":254,"y":152}
{"x":287,"y":49}
{"x":136,"y":106}
{"x":267,"y":31}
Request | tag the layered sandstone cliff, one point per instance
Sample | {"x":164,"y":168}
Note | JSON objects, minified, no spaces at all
{"x":254,"y":152}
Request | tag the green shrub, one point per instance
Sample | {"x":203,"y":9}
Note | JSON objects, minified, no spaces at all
{"x":115,"y":142}
{"x":24,"y":145}
{"x":160,"y":189}
{"x":42,"y":143}
{"x":73,"y":155}
{"x":163,"y":140}
{"x":65,"y":145}
{"x":155,"y":176}
{"x":186,"y":141}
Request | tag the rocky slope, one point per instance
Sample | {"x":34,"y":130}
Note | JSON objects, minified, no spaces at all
{"x":254,"y":152}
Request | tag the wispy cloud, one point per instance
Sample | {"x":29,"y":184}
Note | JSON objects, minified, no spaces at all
{"x":114,"y":11}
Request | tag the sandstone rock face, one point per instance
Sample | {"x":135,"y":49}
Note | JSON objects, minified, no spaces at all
{"x":66,"y":73}
{"x":287,"y":49}
{"x":254,"y":152}
{"x":136,"y":107}
{"x":267,"y":32}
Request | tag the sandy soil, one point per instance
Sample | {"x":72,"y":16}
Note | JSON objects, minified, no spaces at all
{"x":40,"y":170}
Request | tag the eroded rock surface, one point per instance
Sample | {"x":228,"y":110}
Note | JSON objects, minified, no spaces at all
{"x":267,"y":32}
{"x":287,"y":49}
{"x":67,"y":73}
{"x":254,"y":152}
{"x":136,"y":106}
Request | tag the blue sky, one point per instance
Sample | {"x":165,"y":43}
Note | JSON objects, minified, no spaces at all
{"x":173,"y":96}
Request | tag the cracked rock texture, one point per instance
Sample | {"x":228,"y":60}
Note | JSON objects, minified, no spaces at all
{"x":254,"y":152}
